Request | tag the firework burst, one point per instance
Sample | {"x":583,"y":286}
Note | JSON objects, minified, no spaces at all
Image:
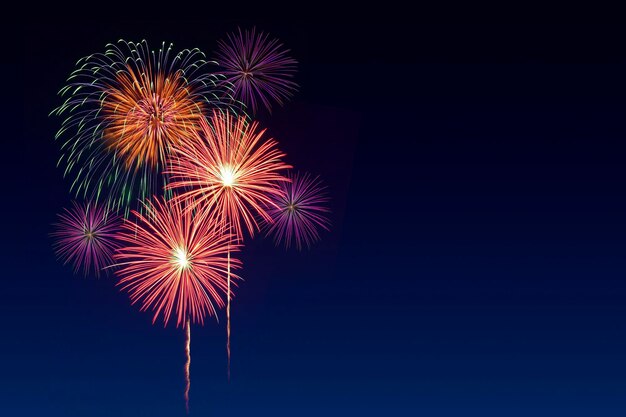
{"x":123,"y":110}
{"x":231,"y":171}
{"x":299,"y":211}
{"x":85,"y":237}
{"x":259,"y":68}
{"x":175,"y":263}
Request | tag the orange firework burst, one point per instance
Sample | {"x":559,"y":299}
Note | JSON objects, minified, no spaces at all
{"x":123,"y":111}
{"x":147,"y":113}
{"x":230,"y":171}
{"x":174,"y":263}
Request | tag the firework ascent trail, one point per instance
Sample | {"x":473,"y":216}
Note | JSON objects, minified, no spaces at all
{"x":187,"y":364}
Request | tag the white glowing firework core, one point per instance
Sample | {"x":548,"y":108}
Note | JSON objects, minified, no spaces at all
{"x":227,"y":176}
{"x":181,"y":258}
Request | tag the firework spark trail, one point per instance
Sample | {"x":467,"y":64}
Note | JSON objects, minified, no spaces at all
{"x":259,"y":70}
{"x":230,"y":172}
{"x":228,"y":316}
{"x":187,"y":365}
{"x":122,"y":111}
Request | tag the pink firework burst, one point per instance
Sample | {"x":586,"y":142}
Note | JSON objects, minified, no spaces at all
{"x":259,"y":68}
{"x":174,"y":262}
{"x":85,"y":236}
{"x":231,"y":172}
{"x":299,"y":211}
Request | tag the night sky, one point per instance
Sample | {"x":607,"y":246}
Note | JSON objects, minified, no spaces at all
{"x":476,"y":263}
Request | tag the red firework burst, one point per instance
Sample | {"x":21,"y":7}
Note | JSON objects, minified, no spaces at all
{"x":230,"y":171}
{"x":175,"y":263}
{"x":85,"y":237}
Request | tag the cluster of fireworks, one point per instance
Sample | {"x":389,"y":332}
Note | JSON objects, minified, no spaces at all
{"x":173,"y":173}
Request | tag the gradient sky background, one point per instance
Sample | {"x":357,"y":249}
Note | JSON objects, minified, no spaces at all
{"x":476,"y":266}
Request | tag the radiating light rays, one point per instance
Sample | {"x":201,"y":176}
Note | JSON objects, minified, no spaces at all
{"x":123,"y":110}
{"x":230,"y":171}
{"x":259,"y":68}
{"x":85,"y":236}
{"x":299,"y":211}
{"x":175,"y":263}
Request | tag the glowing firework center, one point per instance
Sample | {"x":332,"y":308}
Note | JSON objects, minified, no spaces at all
{"x":181,"y":258}
{"x":227,"y":176}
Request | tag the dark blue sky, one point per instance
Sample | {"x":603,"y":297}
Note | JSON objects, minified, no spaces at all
{"x":476,"y":265}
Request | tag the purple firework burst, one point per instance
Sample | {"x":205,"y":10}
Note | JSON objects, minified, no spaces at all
{"x":300,"y":211}
{"x":85,"y":236}
{"x":258,"y":68}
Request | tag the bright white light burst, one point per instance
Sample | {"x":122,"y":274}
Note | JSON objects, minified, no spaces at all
{"x":227,"y":176}
{"x":181,"y":258}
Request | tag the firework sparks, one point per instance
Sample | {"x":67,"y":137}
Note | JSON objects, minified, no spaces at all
{"x":258,"y":68}
{"x":175,"y":263}
{"x":299,"y":211}
{"x":123,"y":110}
{"x":231,"y":172}
{"x":85,"y":237}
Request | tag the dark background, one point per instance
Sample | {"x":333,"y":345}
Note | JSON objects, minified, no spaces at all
{"x":477,"y":259}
